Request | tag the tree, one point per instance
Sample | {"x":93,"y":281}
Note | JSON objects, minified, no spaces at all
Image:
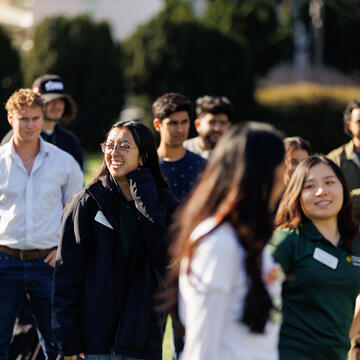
{"x":85,"y":55}
{"x":255,"y":25}
{"x":187,"y":57}
{"x":342,"y":36}
{"x":10,"y":75}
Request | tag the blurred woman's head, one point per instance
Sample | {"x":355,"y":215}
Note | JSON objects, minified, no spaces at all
{"x":240,"y":184}
{"x":317,"y":191}
{"x":129,"y":145}
{"x":242,"y":173}
{"x":296,"y":150}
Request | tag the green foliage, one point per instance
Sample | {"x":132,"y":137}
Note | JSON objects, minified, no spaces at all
{"x":342,"y":35}
{"x":178,"y":10}
{"x":85,"y":55}
{"x":10,"y":75}
{"x":189,"y":58}
{"x":308,"y":110}
{"x":255,"y":24}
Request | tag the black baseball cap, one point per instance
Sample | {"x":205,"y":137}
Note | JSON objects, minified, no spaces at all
{"x":50,"y":87}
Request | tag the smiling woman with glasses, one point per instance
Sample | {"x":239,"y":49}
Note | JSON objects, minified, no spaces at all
{"x":112,"y":254}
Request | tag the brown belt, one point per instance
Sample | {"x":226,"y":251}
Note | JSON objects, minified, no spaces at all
{"x":26,"y":255}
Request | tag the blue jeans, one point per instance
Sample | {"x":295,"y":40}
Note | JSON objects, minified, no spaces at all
{"x":19,"y":279}
{"x":108,"y":357}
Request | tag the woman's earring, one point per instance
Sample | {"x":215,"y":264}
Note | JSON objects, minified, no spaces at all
{"x":140,"y":164}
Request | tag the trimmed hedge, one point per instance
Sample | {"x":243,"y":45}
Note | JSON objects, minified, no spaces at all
{"x":187,"y":57}
{"x":83,"y":52}
{"x":10,"y":76}
{"x":262,"y":26}
{"x":312,"y":111}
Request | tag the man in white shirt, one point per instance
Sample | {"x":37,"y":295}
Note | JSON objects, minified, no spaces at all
{"x":36,"y":181}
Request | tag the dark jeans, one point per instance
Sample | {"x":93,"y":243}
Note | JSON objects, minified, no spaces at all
{"x":25,"y":343}
{"x":18,"y":279}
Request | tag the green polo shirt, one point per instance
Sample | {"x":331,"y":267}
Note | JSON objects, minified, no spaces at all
{"x":322,"y":283}
{"x":128,"y":222}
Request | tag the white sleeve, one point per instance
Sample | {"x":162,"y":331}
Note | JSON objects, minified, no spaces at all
{"x":202,"y":337}
{"x":74,"y":182}
{"x":207,"y":292}
{"x":215,"y":263}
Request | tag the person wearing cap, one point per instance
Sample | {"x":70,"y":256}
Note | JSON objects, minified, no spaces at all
{"x":58,"y":107}
{"x":36,"y":181}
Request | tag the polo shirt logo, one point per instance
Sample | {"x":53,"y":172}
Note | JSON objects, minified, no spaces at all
{"x":355,"y":260}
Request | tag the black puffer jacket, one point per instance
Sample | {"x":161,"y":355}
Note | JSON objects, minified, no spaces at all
{"x":99,"y":304}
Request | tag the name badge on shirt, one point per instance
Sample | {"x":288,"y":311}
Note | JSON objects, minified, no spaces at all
{"x":325,"y":258}
{"x":100,"y":217}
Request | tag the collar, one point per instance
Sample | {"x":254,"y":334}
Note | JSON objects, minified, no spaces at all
{"x":116,"y":184}
{"x":118,"y":189}
{"x":349,"y":150}
{"x":313,"y":234}
{"x":350,"y":153}
{"x":44,"y":146}
{"x":107,"y":182}
{"x":310,"y":231}
{"x":9,"y":148}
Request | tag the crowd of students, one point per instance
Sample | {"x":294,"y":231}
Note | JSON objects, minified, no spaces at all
{"x":251,"y":244}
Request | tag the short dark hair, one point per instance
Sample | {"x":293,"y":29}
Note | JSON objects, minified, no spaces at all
{"x":355,"y":104}
{"x":297,"y":143}
{"x":170,"y":103}
{"x":213,"y":105}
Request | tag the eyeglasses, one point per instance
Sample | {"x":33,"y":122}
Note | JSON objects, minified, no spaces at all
{"x":120,"y":149}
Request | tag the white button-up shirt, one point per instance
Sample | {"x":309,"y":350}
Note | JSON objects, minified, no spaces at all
{"x":31,"y":204}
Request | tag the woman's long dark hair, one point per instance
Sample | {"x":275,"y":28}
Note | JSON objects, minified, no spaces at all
{"x":290,"y":213}
{"x":236,"y":187}
{"x":145,"y":142}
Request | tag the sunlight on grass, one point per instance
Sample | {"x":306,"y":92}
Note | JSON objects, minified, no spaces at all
{"x":92,"y":164}
{"x":167,"y":343}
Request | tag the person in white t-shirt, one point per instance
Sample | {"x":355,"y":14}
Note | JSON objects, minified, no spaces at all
{"x":228,"y":282}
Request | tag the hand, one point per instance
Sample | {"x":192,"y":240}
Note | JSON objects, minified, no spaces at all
{"x":70,"y":357}
{"x":51,"y":258}
{"x":274,"y":274}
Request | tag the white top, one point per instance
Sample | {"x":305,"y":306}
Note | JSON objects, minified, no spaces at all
{"x":211,"y":303}
{"x":31,"y":204}
{"x":193,"y":145}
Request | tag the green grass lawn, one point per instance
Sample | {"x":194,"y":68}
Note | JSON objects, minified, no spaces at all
{"x":92,"y":164}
